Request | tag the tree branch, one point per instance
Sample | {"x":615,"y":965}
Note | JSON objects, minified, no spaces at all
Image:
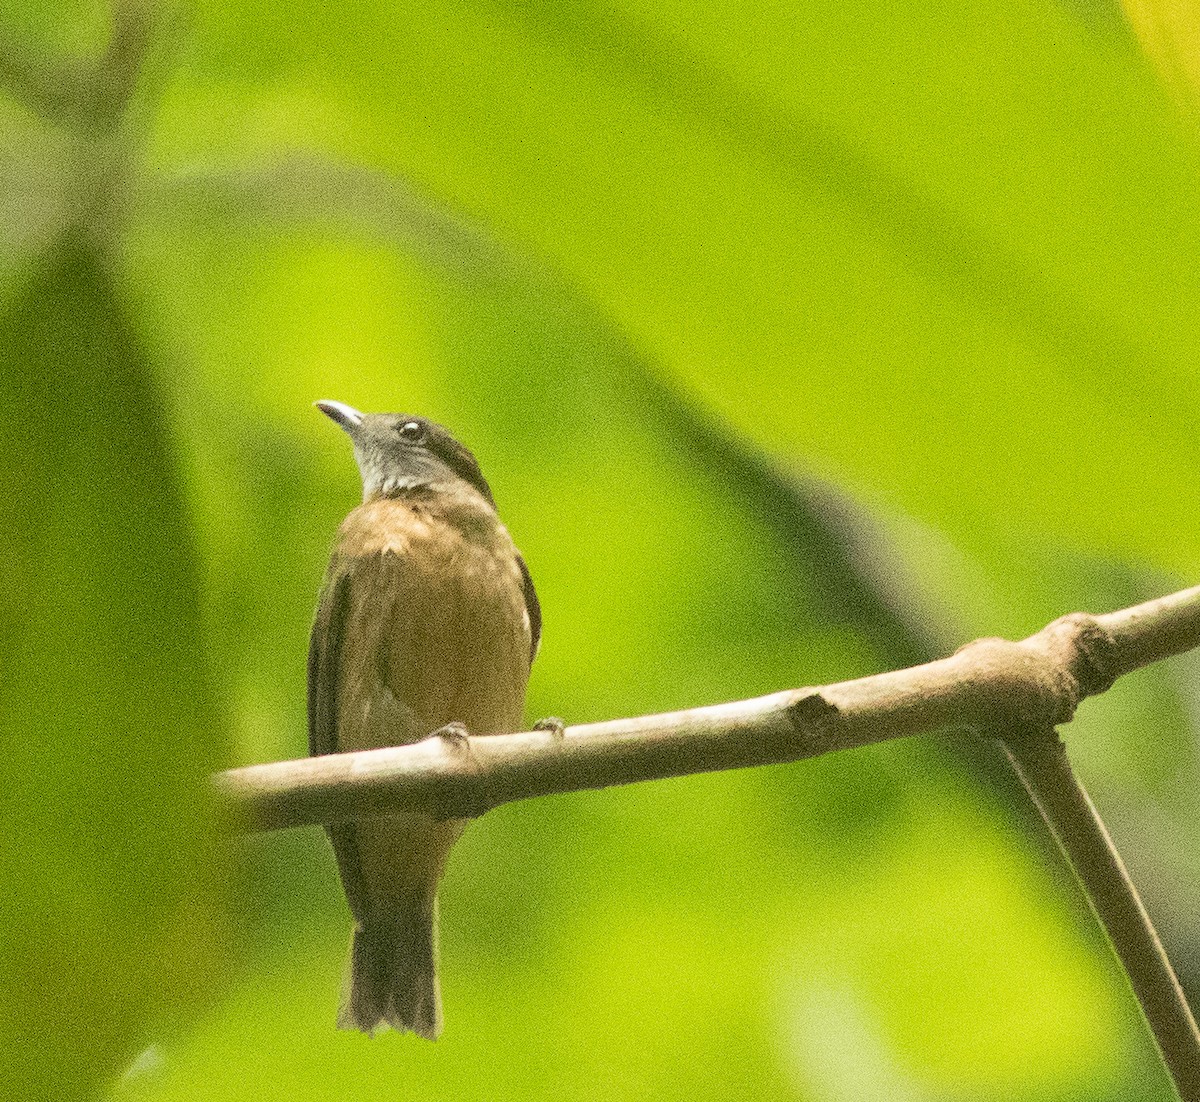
{"x":1018,"y":692}
{"x":988,"y":685}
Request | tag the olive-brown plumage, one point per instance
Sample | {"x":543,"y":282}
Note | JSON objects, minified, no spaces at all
{"x":427,"y":617}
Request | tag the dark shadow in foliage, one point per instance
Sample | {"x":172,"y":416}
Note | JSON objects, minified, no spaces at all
{"x":834,"y":548}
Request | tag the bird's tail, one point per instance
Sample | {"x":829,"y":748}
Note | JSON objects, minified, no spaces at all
{"x":393,"y":974}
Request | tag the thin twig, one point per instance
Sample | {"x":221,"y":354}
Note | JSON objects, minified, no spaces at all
{"x":1041,"y":761}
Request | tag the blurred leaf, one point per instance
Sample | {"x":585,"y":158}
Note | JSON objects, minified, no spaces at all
{"x":641,"y":923}
{"x":958,"y":232}
{"x":945,"y":253}
{"x":304,"y":188}
{"x":108,"y":727}
{"x":36,"y":178}
{"x":76,"y":64}
{"x":1170,"y":35}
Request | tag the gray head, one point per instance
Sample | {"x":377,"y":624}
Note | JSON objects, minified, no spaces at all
{"x":397,"y":452}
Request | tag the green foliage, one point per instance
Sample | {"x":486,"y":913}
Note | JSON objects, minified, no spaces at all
{"x":944,"y":257}
{"x":107,"y":720}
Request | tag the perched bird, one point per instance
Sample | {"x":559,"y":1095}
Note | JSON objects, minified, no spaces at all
{"x":427,"y":623}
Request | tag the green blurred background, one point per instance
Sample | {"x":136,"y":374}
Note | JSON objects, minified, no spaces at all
{"x":798,"y":342}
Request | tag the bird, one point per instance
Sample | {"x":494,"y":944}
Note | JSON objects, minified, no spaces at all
{"x":427,"y":623}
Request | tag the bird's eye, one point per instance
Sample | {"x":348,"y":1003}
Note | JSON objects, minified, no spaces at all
{"x":412,"y":430}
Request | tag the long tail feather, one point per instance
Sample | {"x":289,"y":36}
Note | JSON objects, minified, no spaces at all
{"x":393,"y":974}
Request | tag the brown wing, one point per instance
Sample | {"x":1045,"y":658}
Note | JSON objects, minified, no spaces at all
{"x":324,"y":665}
{"x":533,"y":606}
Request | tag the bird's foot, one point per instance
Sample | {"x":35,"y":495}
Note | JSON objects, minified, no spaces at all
{"x":553,"y":724}
{"x":457,"y":735}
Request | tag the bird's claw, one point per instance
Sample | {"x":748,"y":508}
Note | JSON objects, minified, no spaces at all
{"x":456,"y":734}
{"x":553,"y":724}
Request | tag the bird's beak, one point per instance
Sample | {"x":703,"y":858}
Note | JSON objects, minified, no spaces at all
{"x":346,"y":416}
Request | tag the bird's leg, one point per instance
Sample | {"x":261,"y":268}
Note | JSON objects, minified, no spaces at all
{"x":553,"y":724}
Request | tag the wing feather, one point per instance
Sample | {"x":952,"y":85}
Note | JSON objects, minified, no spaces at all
{"x":324,"y":677}
{"x":534,"y":608}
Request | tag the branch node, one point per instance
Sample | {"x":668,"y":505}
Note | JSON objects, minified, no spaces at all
{"x":811,"y":716}
{"x":1090,"y":646}
{"x":1015,"y":687}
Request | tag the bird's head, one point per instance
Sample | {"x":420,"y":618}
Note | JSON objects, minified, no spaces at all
{"x":398,"y":452}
